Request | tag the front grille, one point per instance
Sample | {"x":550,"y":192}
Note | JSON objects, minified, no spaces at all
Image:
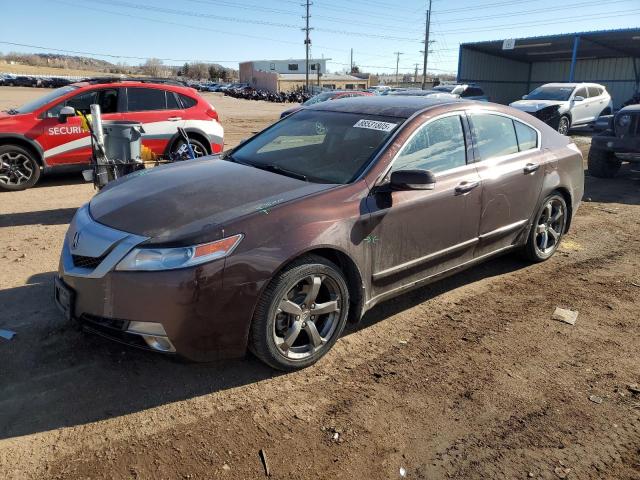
{"x":86,"y":262}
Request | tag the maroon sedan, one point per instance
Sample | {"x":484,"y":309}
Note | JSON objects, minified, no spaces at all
{"x":276,"y":244}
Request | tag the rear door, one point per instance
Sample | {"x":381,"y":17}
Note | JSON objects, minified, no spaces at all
{"x":66,"y":143}
{"x":159,"y":112}
{"x":510,"y":165}
{"x":419,"y":233}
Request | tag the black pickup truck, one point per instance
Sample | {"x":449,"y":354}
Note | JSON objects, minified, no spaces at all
{"x":619,"y":142}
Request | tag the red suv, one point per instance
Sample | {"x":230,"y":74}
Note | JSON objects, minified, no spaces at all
{"x":33,"y":139}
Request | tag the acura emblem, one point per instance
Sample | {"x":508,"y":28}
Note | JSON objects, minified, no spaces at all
{"x":76,"y":240}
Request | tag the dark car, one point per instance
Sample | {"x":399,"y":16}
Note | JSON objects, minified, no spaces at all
{"x":276,"y":244}
{"x":324,"y":97}
{"x":463,"y":90}
{"x":22,"y":81}
{"x":619,"y":142}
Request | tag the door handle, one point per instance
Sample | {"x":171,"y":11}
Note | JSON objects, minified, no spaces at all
{"x":174,"y":119}
{"x":465,"y":187}
{"x":531,"y":167}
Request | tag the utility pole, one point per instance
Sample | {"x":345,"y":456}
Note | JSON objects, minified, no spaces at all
{"x":351,"y":68}
{"x":307,"y":42}
{"x":426,"y":47}
{"x":415,"y":77}
{"x":397,"y":54}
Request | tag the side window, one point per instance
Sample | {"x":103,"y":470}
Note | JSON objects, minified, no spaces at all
{"x":494,"y":135}
{"x":437,"y":146}
{"x":594,"y":92}
{"x":142,"y":99}
{"x":187,"y":102}
{"x":582,"y":92}
{"x":108,"y":100}
{"x":172,"y":101}
{"x":82,"y":102}
{"x":527,"y":136}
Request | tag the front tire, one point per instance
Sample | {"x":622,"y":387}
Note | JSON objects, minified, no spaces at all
{"x":564,"y":125}
{"x":602,"y":164}
{"x":548,"y":228}
{"x":300,"y":315}
{"x":19,"y":170}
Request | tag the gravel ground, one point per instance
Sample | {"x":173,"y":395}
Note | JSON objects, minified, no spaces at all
{"x":468,"y":378}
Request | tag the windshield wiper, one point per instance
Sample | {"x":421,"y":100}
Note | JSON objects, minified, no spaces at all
{"x":282,"y":171}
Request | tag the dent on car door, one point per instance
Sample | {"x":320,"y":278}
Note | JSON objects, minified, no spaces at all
{"x":418,"y":233}
{"x":511,"y":166}
{"x":66,"y":143}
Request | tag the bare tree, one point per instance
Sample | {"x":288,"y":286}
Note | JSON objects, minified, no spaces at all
{"x":153,"y":67}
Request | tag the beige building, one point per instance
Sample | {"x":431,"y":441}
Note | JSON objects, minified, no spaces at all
{"x":288,"y":75}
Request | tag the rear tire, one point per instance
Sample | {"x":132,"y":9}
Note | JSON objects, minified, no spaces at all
{"x":603,"y":164}
{"x":300,"y":315}
{"x":548,"y":228}
{"x":198,"y":147}
{"x":19,"y":169}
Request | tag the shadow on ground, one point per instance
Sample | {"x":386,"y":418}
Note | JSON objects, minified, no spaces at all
{"x":54,"y":375}
{"x":623,"y":188}
{"x":58,"y":216}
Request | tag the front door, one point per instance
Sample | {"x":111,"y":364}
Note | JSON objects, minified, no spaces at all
{"x":511,"y":167}
{"x":418,"y":233}
{"x":67,"y":143}
{"x":581,"y":110}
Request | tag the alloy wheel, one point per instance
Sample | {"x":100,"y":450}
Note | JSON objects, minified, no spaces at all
{"x":307,"y":317}
{"x":15,"y":168}
{"x":549,"y":227}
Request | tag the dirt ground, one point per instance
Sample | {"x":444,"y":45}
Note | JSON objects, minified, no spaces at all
{"x":468,"y":378}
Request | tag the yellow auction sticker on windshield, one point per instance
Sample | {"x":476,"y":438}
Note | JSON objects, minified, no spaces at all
{"x":375,"y":125}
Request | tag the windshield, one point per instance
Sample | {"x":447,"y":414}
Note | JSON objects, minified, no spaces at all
{"x":321,"y":97}
{"x":321,"y":147}
{"x":42,"y":101}
{"x":551,"y":93}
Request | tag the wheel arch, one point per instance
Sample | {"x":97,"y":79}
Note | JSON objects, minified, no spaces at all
{"x":346,"y":264}
{"x":568,"y":200}
{"x":27,"y":144}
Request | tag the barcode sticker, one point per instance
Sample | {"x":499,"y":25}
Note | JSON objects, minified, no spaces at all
{"x":375,"y":125}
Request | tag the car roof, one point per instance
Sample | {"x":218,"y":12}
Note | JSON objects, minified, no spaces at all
{"x":133,"y":83}
{"x":571,"y":84}
{"x":390,"y":106}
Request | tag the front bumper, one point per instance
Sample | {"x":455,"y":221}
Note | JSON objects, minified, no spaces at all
{"x":627,"y":147}
{"x":202,"y":319}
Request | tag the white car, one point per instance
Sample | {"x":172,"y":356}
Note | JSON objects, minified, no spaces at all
{"x":567,"y":105}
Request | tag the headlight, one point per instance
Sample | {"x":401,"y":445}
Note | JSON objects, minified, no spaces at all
{"x":624,"y":120}
{"x":149,"y":259}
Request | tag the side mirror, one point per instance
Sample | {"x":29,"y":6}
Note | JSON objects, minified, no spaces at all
{"x":413,"y":180}
{"x":65,"y":113}
{"x":578,"y":98}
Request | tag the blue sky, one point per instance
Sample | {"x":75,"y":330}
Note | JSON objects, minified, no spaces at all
{"x":229,"y":31}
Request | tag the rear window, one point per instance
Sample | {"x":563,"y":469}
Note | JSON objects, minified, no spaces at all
{"x":473,"y":92}
{"x":494,"y":135}
{"x":142,"y":99}
{"x":187,"y":102}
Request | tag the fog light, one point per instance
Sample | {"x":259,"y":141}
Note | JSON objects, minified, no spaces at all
{"x":154,"y":334}
{"x":161,"y":344}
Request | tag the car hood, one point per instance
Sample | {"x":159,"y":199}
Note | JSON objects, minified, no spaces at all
{"x":193,"y":200}
{"x":535,"y":105}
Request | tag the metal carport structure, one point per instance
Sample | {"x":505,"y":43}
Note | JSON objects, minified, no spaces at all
{"x":509,"y":69}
